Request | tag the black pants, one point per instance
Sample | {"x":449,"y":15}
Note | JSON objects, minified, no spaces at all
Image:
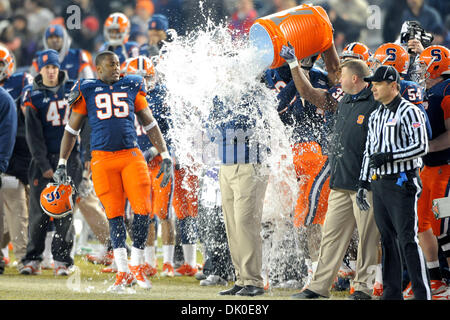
{"x":213,"y":236}
{"x":395,"y":211}
{"x":38,"y":221}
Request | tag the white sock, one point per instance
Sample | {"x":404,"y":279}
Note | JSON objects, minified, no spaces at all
{"x":149,"y":255}
{"x":137,"y":256}
{"x":120,"y":256}
{"x":379,"y":274}
{"x":47,"y":254}
{"x":168,"y":251}
{"x":190,"y":254}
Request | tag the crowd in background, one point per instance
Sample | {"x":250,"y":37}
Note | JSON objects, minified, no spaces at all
{"x":23,"y":22}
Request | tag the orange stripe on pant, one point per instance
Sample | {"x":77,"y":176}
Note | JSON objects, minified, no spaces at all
{"x":118,"y":175}
{"x":185,"y":197}
{"x":314,"y":183}
{"x":160,"y":197}
{"x":435,"y":181}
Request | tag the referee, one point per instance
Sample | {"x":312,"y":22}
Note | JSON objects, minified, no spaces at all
{"x":396,"y":141}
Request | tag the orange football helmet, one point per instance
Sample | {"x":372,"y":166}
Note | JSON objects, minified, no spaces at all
{"x":8,"y":66}
{"x":390,"y":54}
{"x":56,"y":200}
{"x":356,"y":50}
{"x":116,"y":29}
{"x":433,"y":62}
{"x":142,"y":66}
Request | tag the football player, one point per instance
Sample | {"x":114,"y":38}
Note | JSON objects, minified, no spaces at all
{"x":116,"y":31}
{"x":434,"y":62}
{"x":47,"y":113}
{"x":77,"y":62}
{"x":119,"y":169}
{"x":395,"y":55}
{"x":15,"y":200}
{"x":161,"y":197}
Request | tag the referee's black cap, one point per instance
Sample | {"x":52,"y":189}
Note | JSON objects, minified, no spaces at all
{"x":384,"y":73}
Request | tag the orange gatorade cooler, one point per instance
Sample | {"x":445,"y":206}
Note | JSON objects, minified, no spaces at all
{"x":307,"y":28}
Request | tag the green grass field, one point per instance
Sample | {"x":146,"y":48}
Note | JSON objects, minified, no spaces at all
{"x":87,"y":282}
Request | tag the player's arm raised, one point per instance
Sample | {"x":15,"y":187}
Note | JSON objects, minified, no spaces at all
{"x":316,"y":96}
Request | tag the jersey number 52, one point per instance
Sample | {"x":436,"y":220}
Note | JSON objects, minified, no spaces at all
{"x":112,"y":104}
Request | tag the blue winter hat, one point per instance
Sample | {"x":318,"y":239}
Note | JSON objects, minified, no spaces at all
{"x":158,"y":22}
{"x":47,"y":57}
{"x":54,"y":30}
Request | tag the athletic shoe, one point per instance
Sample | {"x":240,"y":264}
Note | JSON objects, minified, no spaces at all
{"x":139,"y":275}
{"x":167,"y":270}
{"x":149,"y":271}
{"x":105,"y":259}
{"x":123,"y":279}
{"x":31,"y":268}
{"x":60,"y":269}
{"x":408,"y":294}
{"x":213,"y":280}
{"x":6,"y":260}
{"x":377,"y":289}
{"x":186,"y":270}
{"x":437,"y":287}
{"x":110,"y":269}
{"x":345,"y":272}
{"x":442,"y":296}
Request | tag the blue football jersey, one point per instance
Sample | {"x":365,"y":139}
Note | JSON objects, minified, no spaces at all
{"x":111,"y":111}
{"x":160,"y":110}
{"x":414,"y":93}
{"x":15,"y":84}
{"x":53,"y":110}
{"x":129,"y":50}
{"x":437,"y":104}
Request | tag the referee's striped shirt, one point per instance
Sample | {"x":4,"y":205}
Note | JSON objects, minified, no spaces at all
{"x":398,"y":127}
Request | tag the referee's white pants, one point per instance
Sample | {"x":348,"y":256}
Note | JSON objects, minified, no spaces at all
{"x":242,"y":188}
{"x":342,"y":216}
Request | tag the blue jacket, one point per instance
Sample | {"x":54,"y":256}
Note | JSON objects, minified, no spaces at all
{"x":8,"y":128}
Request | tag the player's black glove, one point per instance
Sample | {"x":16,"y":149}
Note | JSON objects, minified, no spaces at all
{"x":361,"y":196}
{"x":166,"y":169}
{"x":378,"y":159}
{"x":60,"y":175}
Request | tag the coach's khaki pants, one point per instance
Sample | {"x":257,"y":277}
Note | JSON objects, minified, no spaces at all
{"x":95,"y":217}
{"x":342,"y":216}
{"x":242,"y":187}
{"x":14,"y":209}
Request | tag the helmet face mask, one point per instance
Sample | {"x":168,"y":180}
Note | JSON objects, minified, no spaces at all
{"x":432,"y":63}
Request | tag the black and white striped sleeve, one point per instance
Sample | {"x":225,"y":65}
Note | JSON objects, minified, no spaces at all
{"x":414,"y":129}
{"x":365,"y":174}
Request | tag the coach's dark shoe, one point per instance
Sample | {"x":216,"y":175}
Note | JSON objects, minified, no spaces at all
{"x":307,"y":294}
{"x":232,"y":291}
{"x":359,"y":295}
{"x":250,"y":291}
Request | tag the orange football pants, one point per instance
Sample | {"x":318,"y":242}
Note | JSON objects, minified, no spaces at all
{"x":160,"y":197}
{"x":185,"y":195}
{"x":313,"y":174}
{"x":118,"y":175}
{"x":435,"y":184}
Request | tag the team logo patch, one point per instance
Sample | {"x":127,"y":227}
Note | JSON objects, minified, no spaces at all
{"x":416,"y":125}
{"x":360,"y":119}
{"x":44,"y":57}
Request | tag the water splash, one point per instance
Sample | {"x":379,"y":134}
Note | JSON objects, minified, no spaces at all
{"x":211,"y":63}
